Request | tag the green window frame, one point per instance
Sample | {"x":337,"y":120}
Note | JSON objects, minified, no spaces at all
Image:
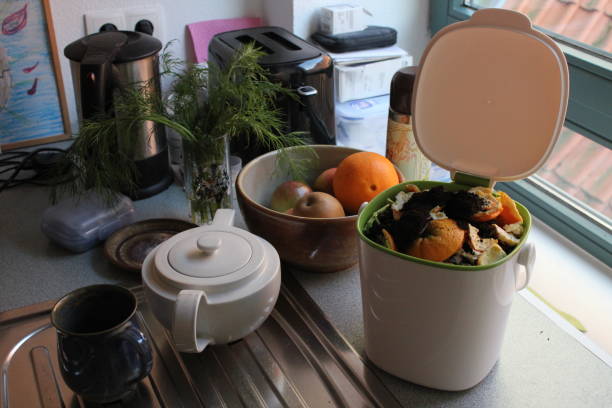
{"x":589,"y":113}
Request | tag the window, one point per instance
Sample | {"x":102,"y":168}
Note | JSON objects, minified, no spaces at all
{"x":585,"y":23}
{"x":572,"y":192}
{"x":581,"y":170}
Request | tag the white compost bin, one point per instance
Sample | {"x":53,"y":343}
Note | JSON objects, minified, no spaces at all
{"x":489,"y":103}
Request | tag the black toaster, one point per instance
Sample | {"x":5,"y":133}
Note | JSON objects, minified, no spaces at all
{"x":298,"y":65}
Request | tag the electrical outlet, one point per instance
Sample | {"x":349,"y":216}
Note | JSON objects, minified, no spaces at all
{"x":96,"y":19}
{"x":152,"y":13}
{"x":126,"y":19}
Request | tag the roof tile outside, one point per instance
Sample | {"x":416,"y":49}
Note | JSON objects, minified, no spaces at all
{"x":588,"y":21}
{"x":577,"y":165}
{"x":514,"y":4}
{"x":557,"y":16}
{"x":582,"y":169}
{"x":568,"y":141}
{"x":600,"y":183}
{"x":599,"y":194}
{"x":582,"y":23}
{"x":581,"y":172}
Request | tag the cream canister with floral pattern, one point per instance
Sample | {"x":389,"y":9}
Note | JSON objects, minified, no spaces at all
{"x":402,"y":148}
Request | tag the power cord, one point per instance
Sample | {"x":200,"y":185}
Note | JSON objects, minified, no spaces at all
{"x":42,"y":162}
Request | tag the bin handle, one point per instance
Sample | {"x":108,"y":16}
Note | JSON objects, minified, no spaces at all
{"x":526,"y":258}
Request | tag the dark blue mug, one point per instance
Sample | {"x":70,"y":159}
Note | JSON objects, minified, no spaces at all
{"x":102,"y":352}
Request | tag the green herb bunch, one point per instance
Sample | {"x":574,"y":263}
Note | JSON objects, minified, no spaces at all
{"x":205,"y":104}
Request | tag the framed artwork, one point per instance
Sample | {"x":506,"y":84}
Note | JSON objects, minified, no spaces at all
{"x":32,"y":100}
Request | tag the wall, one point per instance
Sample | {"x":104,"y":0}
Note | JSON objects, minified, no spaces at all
{"x":69,"y":24}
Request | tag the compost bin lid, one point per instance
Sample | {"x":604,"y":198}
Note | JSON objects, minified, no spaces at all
{"x":490,"y":97}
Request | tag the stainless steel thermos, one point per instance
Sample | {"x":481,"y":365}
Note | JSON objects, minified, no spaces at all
{"x":104,"y":62}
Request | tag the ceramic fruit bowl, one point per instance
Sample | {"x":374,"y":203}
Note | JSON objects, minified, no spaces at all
{"x":314,"y":244}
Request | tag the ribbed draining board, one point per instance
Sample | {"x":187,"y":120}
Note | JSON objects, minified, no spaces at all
{"x":296,"y":359}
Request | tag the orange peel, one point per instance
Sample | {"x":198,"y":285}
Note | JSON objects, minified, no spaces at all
{"x":443,"y":238}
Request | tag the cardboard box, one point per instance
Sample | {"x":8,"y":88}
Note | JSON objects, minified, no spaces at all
{"x":342,"y":18}
{"x":365,"y":80}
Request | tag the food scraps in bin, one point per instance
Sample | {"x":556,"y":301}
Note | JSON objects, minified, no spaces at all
{"x":478,"y":226}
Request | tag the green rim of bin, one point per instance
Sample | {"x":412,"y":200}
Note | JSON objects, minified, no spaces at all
{"x":382,"y":199}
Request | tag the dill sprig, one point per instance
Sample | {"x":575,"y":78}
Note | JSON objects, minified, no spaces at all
{"x":205,"y":103}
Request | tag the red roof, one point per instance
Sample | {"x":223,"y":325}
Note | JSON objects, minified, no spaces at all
{"x":587,"y":21}
{"x":578,"y":166}
{"x":583,"y":169}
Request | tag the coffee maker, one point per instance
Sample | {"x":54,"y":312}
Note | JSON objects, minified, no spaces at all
{"x":297,"y":65}
{"x":104,"y":62}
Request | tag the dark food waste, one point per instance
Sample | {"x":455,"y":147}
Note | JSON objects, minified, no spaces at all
{"x":459,"y":227}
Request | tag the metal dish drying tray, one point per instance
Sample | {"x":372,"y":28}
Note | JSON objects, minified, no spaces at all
{"x":296,"y":359}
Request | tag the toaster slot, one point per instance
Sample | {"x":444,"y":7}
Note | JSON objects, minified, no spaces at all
{"x":282,"y":41}
{"x":246,"y":39}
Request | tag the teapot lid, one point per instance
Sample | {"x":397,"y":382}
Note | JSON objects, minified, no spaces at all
{"x":213,"y":255}
{"x":210,"y":254}
{"x":490,"y":97}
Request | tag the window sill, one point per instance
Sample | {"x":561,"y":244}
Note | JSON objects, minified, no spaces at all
{"x":575,"y":282}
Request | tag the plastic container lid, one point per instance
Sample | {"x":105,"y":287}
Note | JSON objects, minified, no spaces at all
{"x":361,"y":109}
{"x":80,"y":223}
{"x":490,"y":97}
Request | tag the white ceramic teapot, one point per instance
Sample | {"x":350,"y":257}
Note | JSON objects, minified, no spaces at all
{"x":212,"y":284}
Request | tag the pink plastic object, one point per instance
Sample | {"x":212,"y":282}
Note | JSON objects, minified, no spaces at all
{"x":202,"y":32}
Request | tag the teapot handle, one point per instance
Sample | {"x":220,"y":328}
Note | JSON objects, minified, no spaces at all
{"x":184,"y":322}
{"x":224,"y":216}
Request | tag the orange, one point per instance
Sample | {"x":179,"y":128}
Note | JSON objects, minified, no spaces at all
{"x":360,"y":177}
{"x":510,"y":213}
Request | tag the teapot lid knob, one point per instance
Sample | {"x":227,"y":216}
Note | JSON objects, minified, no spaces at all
{"x":209,"y":245}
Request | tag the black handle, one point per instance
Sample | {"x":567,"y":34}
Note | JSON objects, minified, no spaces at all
{"x":96,"y":71}
{"x":144,"y":26}
{"x":318,"y":130}
{"x":108,"y":27}
{"x":95,"y":84}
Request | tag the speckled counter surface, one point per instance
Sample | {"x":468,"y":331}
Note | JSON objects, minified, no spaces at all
{"x":540,"y":365}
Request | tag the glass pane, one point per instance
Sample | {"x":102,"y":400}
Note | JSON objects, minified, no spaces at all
{"x":584,"y":21}
{"x":582,"y":170}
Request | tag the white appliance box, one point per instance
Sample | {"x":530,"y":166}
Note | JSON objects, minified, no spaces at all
{"x":366,"y":80}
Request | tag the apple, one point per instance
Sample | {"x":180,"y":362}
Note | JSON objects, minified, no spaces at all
{"x":325,"y":180}
{"x":318,"y":205}
{"x":287,"y":194}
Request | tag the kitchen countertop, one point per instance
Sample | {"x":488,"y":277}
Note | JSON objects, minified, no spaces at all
{"x":540,"y":364}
